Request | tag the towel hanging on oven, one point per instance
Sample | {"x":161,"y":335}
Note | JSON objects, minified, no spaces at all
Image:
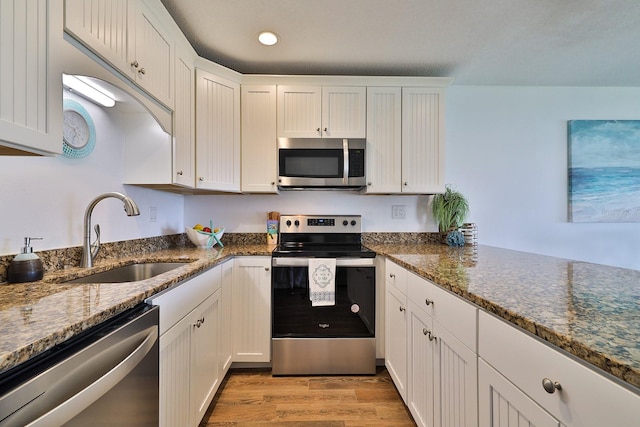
{"x":322,"y":281}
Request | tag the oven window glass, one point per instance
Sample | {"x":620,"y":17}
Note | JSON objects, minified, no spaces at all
{"x":353,"y":315}
{"x":316,"y":163}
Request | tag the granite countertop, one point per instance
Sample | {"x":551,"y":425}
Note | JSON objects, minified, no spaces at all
{"x":38,"y":315}
{"x":589,"y":310}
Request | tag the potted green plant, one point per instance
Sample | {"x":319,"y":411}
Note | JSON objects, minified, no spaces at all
{"x":450,"y":209}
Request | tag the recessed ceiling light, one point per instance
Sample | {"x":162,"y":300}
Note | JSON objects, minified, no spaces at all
{"x":267,"y":38}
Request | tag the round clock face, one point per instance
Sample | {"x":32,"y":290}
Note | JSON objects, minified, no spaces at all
{"x":76,"y":129}
{"x":79,"y":132}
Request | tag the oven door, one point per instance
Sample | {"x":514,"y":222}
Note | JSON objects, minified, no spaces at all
{"x":352,"y":316}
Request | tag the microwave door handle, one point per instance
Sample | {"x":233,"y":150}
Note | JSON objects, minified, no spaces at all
{"x":345,"y":151}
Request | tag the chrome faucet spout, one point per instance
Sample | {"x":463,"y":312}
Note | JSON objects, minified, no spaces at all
{"x":89,"y":251}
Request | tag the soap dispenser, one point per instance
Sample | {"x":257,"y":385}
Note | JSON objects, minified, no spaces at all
{"x":26,"y":266}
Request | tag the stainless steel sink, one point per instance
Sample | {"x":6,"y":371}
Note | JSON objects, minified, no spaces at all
{"x":129,"y":273}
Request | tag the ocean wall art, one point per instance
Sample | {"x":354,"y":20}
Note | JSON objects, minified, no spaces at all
{"x":604,"y":170}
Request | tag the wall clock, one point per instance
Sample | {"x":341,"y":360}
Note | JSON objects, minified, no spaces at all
{"x":79,"y":132}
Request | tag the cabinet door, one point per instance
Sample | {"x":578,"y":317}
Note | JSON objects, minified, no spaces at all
{"x":501,"y":404}
{"x":175,"y":362}
{"x":217,"y":133}
{"x":396,"y":338}
{"x":226,"y":346}
{"x":150,"y":53}
{"x":101,"y":26}
{"x":31,"y":83}
{"x":422,"y":140}
{"x":251,"y":309}
{"x":299,"y":111}
{"x":422,"y":376}
{"x":204,"y":355}
{"x":184,"y":142}
{"x":344,"y":112}
{"x":259,"y":153}
{"x":384,"y":140}
{"x":456,"y":380}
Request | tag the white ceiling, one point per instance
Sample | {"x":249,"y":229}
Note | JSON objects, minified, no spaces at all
{"x":477,"y":42}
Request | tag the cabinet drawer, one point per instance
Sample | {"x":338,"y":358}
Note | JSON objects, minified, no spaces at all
{"x":396,"y":276}
{"x":452,"y":312}
{"x":586,"y":398}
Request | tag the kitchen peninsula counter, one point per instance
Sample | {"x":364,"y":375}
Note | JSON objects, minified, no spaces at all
{"x":591,"y":311}
{"x":39,"y":315}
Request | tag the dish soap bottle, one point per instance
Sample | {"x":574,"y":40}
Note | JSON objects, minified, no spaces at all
{"x":26,"y":266}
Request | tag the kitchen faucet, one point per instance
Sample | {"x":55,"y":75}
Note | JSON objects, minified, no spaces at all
{"x":89,"y":251}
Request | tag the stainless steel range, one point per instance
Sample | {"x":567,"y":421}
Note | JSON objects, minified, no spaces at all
{"x":323,"y":297}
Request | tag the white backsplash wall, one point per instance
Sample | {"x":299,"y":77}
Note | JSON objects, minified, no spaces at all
{"x":248,"y":213}
{"x":507,"y":151}
{"x":47,"y":196}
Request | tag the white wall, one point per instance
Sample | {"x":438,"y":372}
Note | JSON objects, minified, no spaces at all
{"x":507,"y":151}
{"x":47,"y":196}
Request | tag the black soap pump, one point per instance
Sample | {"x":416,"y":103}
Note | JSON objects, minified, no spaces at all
{"x":26,"y":266}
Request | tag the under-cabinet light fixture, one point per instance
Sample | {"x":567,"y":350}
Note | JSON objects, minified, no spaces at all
{"x":86,"y":88}
{"x":267,"y":38}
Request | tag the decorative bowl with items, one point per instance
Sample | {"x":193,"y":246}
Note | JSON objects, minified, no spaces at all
{"x":205,"y":237}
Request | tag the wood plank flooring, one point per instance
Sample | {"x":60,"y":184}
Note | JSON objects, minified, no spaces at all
{"x":255,"y":398}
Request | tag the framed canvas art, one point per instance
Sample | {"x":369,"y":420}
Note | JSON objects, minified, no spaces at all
{"x":604,"y":170}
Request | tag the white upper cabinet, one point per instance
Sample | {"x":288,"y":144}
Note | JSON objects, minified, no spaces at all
{"x":184,"y":141}
{"x":126,"y":34}
{"x":259,"y":154}
{"x":150,"y":53}
{"x":31,"y":83}
{"x":422,"y":140}
{"x":384,"y":140}
{"x":217,"y":133}
{"x":321,"y":112}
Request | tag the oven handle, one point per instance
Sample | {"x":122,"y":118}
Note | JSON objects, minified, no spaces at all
{"x":304,"y":262}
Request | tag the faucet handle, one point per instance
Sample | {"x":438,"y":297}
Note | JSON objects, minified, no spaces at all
{"x":95,"y":246}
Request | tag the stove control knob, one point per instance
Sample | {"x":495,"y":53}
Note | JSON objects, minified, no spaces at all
{"x":297,"y":223}
{"x":345,"y":222}
{"x":288,"y":223}
{"x":353,"y":222}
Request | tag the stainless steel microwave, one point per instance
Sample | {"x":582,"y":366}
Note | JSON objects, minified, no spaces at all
{"x":321,"y":163}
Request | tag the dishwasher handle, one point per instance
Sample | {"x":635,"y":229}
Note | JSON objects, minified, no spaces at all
{"x":82,"y":400}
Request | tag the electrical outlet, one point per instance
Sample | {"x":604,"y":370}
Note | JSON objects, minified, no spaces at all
{"x":398,"y":212}
{"x":153,"y":214}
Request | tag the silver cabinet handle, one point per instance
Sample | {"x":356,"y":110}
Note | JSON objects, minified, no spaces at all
{"x":393,"y":276}
{"x":179,"y":173}
{"x":425,"y":331}
{"x":82,"y":400}
{"x":326,"y":129}
{"x":406,"y":183}
{"x":266,"y":269}
{"x":550,"y":386}
{"x":142,"y":71}
{"x":317,"y":129}
{"x":135,"y":64}
{"x":368,"y":183}
{"x":201,"y":178}
{"x":432,"y":337}
{"x":402,"y":308}
{"x":428,"y":301}
{"x":429,"y":335}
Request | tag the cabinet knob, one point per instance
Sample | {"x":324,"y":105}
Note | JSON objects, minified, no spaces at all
{"x":179,"y":173}
{"x":428,"y":301}
{"x":135,"y":64}
{"x":273,"y":183}
{"x":550,"y":386}
{"x":406,"y":183}
{"x":402,"y":308}
{"x":393,"y":276}
{"x":317,"y":129}
{"x":266,"y":269}
{"x":201,"y":178}
{"x":326,"y":129}
{"x":368,"y":183}
{"x":142,"y":71}
{"x":432,"y":337}
{"x":425,"y":331}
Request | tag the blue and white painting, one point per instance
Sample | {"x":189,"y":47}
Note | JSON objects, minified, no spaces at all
{"x":604,"y":170}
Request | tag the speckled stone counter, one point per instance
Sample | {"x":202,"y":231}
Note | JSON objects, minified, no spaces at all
{"x":591,"y":311}
{"x":36,"y":316}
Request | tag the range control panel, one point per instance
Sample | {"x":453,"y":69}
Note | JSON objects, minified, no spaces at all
{"x":320,"y":224}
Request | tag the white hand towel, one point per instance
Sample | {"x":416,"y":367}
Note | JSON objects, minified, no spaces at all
{"x":322,"y":281}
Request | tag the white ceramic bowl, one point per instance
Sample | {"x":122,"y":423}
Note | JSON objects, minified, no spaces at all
{"x":202,"y":240}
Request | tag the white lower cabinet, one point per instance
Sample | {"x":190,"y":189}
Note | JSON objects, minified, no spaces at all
{"x":576,"y":395}
{"x":395,"y":336}
{"x":503,"y":405}
{"x":190,"y":347}
{"x":251,"y":309}
{"x":443,"y":372}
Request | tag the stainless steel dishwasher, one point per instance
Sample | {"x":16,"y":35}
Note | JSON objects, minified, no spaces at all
{"x":107,"y":376}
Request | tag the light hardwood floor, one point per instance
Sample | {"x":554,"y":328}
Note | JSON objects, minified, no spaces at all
{"x":255,"y":398}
